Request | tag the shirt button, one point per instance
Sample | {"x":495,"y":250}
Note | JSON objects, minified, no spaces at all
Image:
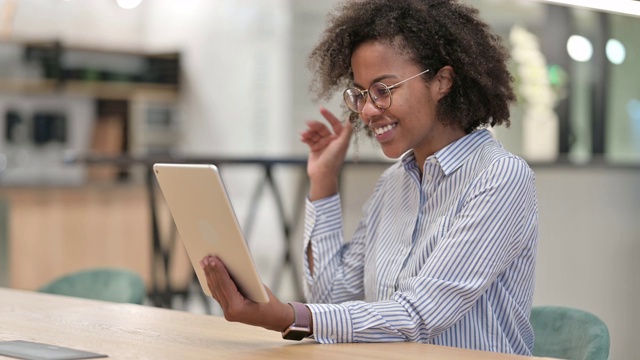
{"x":433,"y":160}
{"x":333,"y":337}
{"x":428,"y":177}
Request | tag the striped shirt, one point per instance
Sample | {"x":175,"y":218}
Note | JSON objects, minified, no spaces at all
{"x":445,"y":258}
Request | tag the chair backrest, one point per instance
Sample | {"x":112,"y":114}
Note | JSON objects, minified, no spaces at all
{"x":108,"y":284}
{"x":569,"y":333}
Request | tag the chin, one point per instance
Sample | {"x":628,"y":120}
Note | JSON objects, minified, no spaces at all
{"x":392,"y":153}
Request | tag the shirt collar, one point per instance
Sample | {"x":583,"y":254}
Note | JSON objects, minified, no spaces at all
{"x":452,"y":156}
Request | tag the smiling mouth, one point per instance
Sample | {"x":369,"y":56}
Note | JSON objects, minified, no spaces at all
{"x":383,"y":129}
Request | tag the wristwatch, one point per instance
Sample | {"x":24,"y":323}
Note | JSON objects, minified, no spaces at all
{"x":301,"y":327}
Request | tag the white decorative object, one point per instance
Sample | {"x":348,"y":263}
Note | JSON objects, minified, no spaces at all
{"x":540,"y":122}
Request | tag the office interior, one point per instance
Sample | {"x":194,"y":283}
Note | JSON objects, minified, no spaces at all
{"x":91,"y":91}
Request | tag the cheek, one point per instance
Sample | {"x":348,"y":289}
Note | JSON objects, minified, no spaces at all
{"x":419,"y":116}
{"x":413,"y":106}
{"x":425,"y":106}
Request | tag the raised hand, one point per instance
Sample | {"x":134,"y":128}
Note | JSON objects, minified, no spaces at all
{"x":328,"y":148}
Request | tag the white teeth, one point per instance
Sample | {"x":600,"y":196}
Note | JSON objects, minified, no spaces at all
{"x":384,"y":129}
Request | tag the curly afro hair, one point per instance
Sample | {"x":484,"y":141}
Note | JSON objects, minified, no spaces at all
{"x":433,"y":34}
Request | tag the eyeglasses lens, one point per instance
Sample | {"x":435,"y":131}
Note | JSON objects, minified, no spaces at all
{"x":354,"y":98}
{"x":378,"y":92}
{"x":381,"y":95}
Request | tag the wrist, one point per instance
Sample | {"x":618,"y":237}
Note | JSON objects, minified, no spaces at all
{"x":320,"y":189}
{"x":288,"y":317}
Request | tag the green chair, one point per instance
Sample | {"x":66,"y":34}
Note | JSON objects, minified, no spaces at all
{"x":108,"y":284}
{"x":568,"y":333}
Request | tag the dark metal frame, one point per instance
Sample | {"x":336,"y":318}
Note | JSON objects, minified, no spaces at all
{"x":162,"y":291}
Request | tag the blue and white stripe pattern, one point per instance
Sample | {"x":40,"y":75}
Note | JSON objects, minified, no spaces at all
{"x":445,"y":258}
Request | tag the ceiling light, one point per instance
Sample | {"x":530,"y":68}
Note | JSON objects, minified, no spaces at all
{"x":615,"y":51}
{"x":128,"y":4}
{"x":579,"y":48}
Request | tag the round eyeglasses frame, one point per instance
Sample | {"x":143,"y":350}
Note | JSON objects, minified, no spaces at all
{"x":352,"y":92}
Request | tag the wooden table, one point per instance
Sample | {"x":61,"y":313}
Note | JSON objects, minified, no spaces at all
{"x":126,"y":331}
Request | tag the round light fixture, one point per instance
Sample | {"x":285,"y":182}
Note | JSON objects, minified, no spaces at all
{"x":128,"y":4}
{"x":616,"y":51}
{"x":579,"y":48}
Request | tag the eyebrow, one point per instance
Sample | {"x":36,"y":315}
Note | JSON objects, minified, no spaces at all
{"x":378,"y":79}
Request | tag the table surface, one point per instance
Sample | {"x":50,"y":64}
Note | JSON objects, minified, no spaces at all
{"x":127,"y":331}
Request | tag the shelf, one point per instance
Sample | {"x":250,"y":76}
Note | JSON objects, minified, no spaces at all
{"x":103,"y":90}
{"x":51,"y":44}
{"x":93,"y":71}
{"x":133,"y":93}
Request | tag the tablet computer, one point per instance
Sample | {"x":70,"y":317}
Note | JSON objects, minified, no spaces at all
{"x":207,"y":224}
{"x":30,"y":350}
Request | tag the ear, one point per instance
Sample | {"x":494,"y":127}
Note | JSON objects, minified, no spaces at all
{"x":442,"y":82}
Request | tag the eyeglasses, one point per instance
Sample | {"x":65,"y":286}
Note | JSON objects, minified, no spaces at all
{"x":379,"y":93}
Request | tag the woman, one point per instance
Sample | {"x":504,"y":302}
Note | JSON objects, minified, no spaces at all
{"x":445,"y":252}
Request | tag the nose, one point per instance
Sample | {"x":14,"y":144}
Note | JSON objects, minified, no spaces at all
{"x":369,"y":111}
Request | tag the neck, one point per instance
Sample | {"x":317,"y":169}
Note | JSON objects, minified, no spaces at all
{"x":438,"y":141}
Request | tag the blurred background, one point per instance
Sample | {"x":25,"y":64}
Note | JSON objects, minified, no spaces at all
{"x":93,"y":92}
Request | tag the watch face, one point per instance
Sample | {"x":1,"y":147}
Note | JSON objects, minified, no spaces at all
{"x":295,"y":333}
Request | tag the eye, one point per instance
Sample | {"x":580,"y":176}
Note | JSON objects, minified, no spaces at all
{"x":378,"y":91}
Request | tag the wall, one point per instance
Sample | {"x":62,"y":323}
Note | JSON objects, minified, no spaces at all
{"x":236,"y":72}
{"x":92,"y":23}
{"x":589,"y":244}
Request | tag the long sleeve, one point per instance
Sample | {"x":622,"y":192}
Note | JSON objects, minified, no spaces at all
{"x":338,"y":267}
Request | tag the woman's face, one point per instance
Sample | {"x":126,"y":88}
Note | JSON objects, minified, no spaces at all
{"x":410,"y":122}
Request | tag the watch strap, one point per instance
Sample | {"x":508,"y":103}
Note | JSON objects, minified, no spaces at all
{"x":302,"y":315}
{"x":301,"y":327}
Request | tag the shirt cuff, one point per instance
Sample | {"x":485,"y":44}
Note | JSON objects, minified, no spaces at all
{"x":331,"y":323}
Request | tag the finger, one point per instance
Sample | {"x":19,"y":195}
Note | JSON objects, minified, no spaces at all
{"x":310,"y":136}
{"x":318,"y":127}
{"x":320,"y":144}
{"x":204,"y":262}
{"x":347,"y":130}
{"x":212,"y":289}
{"x":227,"y":285}
{"x":316,"y":142}
{"x":216,"y":287}
{"x":211,"y":280}
{"x":229,"y":296}
{"x":336,"y":124}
